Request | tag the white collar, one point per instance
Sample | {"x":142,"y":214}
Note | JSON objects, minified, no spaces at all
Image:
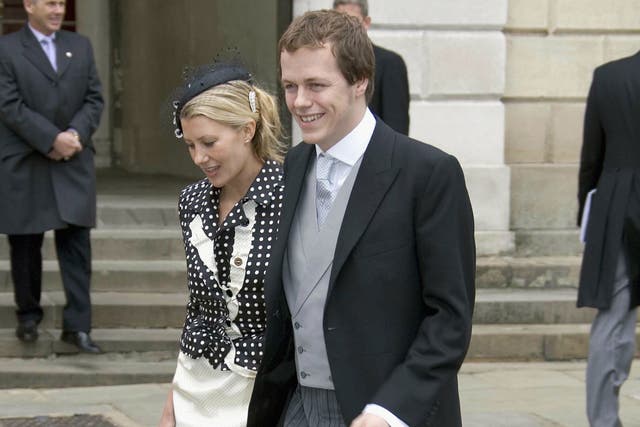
{"x":41,"y":36}
{"x":350,"y":148}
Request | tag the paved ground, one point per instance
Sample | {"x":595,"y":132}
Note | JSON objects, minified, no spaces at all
{"x":493,"y":395}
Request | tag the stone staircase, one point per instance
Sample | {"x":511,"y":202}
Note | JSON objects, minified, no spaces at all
{"x":138,"y":294}
{"x":525,"y":308}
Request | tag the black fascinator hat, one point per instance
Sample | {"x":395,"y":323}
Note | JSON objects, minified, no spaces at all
{"x":202,"y":78}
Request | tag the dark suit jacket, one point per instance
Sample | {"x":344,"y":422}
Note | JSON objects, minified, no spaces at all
{"x":610,"y":162}
{"x":390,"y":100}
{"x":398,"y":314}
{"x":36,"y":103}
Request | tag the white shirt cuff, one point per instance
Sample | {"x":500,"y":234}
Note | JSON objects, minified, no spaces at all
{"x":378,"y":410}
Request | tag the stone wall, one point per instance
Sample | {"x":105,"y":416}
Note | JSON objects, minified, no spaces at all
{"x":552,"y":49}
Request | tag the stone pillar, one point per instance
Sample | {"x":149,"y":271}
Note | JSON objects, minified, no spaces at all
{"x":93,"y":20}
{"x":455,"y":53}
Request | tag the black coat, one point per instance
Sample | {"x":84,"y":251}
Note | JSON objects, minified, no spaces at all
{"x":36,"y":103}
{"x":390,"y":100}
{"x":610,"y":162}
{"x":397,"y":318}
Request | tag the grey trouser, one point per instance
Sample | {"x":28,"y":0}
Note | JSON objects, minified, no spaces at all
{"x":313,"y":407}
{"x":611,"y":350}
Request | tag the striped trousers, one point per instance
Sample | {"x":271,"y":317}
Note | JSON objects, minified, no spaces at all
{"x":611,"y":349}
{"x":313,"y":407}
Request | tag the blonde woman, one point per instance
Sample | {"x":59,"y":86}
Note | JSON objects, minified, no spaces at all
{"x":229,"y":219}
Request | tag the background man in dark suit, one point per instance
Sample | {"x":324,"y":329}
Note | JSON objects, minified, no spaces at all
{"x":390,"y":99}
{"x":50,"y":105}
{"x":610,"y":163}
{"x":370,"y":287}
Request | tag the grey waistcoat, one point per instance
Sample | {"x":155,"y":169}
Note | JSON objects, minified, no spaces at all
{"x":306,"y":272}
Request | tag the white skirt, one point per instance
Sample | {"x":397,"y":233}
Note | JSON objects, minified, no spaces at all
{"x":204,"y":396}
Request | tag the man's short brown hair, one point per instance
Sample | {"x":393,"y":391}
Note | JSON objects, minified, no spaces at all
{"x":349,"y":42}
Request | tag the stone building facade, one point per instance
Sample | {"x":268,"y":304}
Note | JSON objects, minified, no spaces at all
{"x":501,"y":84}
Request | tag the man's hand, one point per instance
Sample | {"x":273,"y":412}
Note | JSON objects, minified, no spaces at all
{"x":369,"y":420}
{"x":66,"y":145}
{"x":55,"y":155}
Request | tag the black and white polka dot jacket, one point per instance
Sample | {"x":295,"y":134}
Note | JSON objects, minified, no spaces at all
{"x":226,"y":264}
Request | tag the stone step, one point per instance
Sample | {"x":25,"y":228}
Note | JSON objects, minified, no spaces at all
{"x":115,"y":340}
{"x":531,"y":342}
{"x":150,"y":239}
{"x":155,"y":261}
{"x":80,"y":370}
{"x":559,"y":242}
{"x":167,"y":310}
{"x":115,"y":276}
{"x":138,"y":200}
{"x":542,"y":272}
{"x":122,"y":244}
{"x":136,"y":211}
{"x":144,"y":356}
{"x":110,"y":310}
{"x":488,"y":342}
{"x":529,"y":306}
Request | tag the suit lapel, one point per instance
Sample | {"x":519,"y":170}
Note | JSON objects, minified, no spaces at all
{"x":374,"y":179}
{"x":295,"y":171}
{"x":64,"y":53}
{"x":35,"y":54}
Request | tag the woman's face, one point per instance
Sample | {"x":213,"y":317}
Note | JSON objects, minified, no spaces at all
{"x":223,"y":153}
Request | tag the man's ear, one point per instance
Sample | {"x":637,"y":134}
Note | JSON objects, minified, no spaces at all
{"x":361,"y":86}
{"x":28,"y":5}
{"x":366,"y":21}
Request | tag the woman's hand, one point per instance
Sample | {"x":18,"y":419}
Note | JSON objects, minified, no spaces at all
{"x":168,"y":419}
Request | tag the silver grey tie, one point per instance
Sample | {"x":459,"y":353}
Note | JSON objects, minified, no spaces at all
{"x":324,"y":186}
{"x":49,"y":51}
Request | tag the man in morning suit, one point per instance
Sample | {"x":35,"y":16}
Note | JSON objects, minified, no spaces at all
{"x":370,"y":287}
{"x":609,"y":280}
{"x":390,"y":99}
{"x":50,"y":105}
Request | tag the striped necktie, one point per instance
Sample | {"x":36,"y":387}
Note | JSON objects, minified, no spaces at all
{"x":324,"y":186}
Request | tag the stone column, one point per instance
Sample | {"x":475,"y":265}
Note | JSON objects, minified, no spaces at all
{"x":93,"y":20}
{"x":456,"y":57}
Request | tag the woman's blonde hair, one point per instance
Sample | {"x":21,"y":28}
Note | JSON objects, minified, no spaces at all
{"x":230,"y":104}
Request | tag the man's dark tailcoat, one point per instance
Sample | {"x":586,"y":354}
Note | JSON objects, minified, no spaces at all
{"x":397,"y":319}
{"x":610,"y":162}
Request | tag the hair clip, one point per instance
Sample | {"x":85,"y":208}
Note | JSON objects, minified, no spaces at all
{"x":252,"y":101}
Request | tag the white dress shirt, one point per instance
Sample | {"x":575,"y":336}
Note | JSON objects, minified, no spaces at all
{"x":51,"y":54}
{"x":350,"y":148}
